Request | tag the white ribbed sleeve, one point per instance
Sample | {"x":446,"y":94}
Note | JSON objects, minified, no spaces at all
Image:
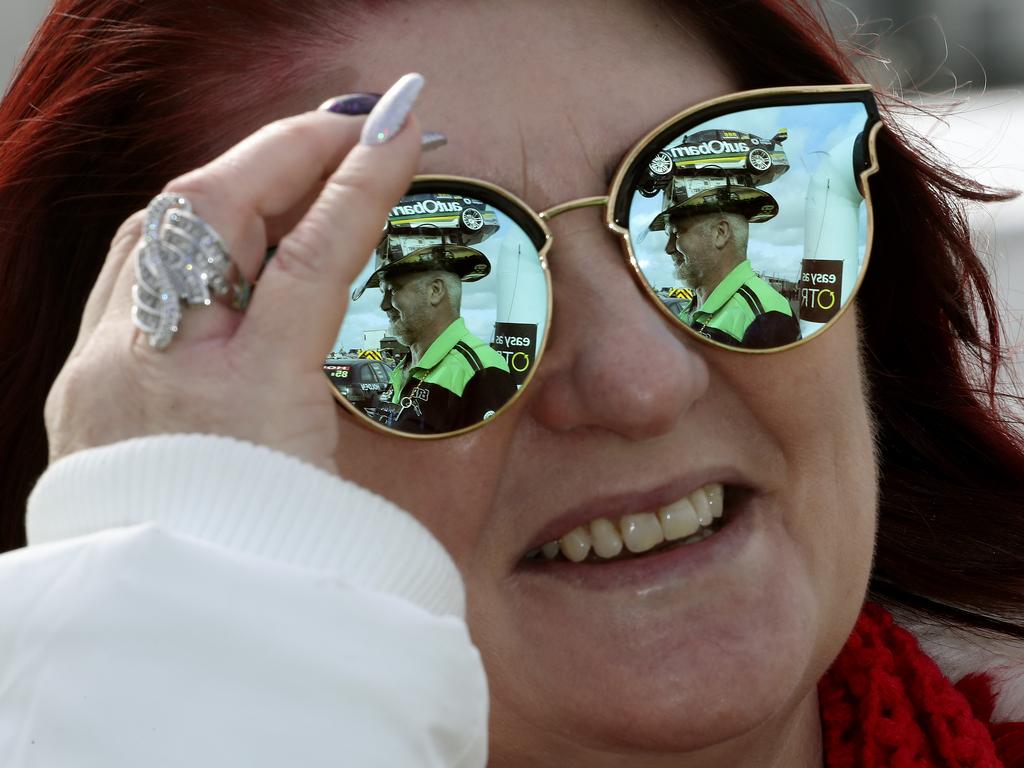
{"x":194,"y":600}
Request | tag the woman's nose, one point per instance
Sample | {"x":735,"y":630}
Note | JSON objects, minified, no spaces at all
{"x":613,"y":359}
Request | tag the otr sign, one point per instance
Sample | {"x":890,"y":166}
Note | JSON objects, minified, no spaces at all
{"x":821,"y":286}
{"x":517,"y":343}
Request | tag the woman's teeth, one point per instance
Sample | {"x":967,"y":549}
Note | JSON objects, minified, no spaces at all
{"x":689,"y":518}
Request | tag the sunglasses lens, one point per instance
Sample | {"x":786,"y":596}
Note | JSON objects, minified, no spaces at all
{"x":750,"y":226}
{"x":448,"y":317}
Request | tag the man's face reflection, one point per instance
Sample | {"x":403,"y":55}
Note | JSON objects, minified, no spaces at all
{"x":406,"y":306}
{"x":688,"y":247}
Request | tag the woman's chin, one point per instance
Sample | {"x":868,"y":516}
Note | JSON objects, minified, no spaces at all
{"x":700,"y":649}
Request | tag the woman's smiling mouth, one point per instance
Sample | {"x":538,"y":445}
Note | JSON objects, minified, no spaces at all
{"x":688,"y":520}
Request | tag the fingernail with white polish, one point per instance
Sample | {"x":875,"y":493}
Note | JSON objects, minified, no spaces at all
{"x":388,"y":117}
{"x":432,"y":140}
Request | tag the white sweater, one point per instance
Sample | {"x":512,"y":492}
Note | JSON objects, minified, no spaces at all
{"x":198,"y":601}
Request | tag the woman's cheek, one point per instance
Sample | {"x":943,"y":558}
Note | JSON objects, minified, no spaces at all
{"x":447,"y":484}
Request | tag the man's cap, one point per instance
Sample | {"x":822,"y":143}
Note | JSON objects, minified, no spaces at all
{"x":754,"y":204}
{"x":468,"y":263}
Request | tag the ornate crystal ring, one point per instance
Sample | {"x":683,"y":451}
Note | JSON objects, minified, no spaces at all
{"x":180,"y":260}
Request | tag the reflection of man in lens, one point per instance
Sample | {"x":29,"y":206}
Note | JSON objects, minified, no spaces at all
{"x":707,"y":240}
{"x":450,"y":379}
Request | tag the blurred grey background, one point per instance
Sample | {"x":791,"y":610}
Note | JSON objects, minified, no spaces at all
{"x":935,"y":43}
{"x":964,"y":58}
{"x":963,"y":62}
{"x":18,"y":20}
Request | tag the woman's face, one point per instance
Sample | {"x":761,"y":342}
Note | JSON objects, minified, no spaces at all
{"x":713,"y":645}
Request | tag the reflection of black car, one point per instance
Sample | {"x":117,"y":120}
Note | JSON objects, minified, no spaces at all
{"x":361,"y":382}
{"x":432,"y":219}
{"x":739,"y":157}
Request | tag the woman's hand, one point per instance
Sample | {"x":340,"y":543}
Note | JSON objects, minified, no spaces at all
{"x":305,"y":184}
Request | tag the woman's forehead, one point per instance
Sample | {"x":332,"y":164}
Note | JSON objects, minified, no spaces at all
{"x":542,"y":98}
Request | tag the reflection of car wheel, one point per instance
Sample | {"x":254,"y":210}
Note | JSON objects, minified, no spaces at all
{"x":661,"y":165}
{"x":472,"y":219}
{"x":759,"y":160}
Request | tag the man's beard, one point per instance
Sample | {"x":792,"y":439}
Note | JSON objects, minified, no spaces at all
{"x":408,"y":325}
{"x":684,"y":268}
{"x":399,"y":329}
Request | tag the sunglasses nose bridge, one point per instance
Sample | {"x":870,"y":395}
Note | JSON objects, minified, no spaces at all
{"x":572,"y":205}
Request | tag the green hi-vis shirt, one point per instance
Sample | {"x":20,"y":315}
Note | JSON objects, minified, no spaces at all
{"x":457,"y":383}
{"x":744,"y":311}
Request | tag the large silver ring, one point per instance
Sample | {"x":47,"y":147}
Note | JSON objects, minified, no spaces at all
{"x":180,"y":260}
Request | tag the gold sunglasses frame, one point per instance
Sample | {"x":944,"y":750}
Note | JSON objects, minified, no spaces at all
{"x":540,"y":219}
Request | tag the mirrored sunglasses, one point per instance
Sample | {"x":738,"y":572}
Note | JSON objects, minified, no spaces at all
{"x":746,"y":220}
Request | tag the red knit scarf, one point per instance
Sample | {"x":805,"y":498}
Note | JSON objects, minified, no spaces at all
{"x":885,"y":704}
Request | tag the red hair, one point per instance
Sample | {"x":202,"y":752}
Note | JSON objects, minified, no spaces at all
{"x":113,"y":98}
{"x":951,"y":507}
{"x":117,"y":96}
